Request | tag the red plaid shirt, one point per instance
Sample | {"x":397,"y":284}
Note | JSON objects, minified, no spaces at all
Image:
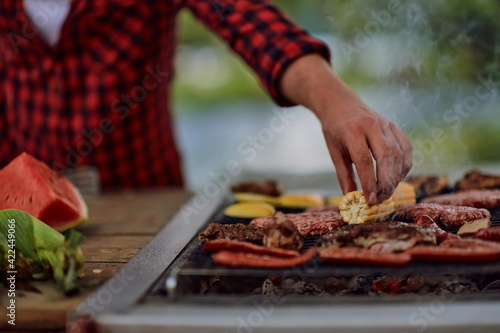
{"x":100,"y":96}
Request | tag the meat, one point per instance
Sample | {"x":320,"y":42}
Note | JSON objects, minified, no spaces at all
{"x":426,"y":185}
{"x":238,"y":231}
{"x":237,"y":246}
{"x":488,"y":199}
{"x":475,"y":179}
{"x":281,"y":233}
{"x":384,"y":237}
{"x":457,"y":250}
{"x":270,"y":187}
{"x":245,"y":259}
{"x":424,"y":221}
{"x":308,"y":223}
{"x":490,"y":234}
{"x":448,"y":215}
{"x":356,"y":255}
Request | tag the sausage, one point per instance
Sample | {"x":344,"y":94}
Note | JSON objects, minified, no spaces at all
{"x":427,"y":222}
{"x":234,"y":245}
{"x":356,"y":255}
{"x":245,"y":259}
{"x":457,"y":250}
{"x":491,"y":234}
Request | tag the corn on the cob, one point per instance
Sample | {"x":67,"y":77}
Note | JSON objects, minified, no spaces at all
{"x":354,"y":209}
{"x":404,"y":194}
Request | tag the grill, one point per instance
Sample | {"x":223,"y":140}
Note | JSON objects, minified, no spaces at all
{"x":194,"y":276}
{"x":174,"y":285}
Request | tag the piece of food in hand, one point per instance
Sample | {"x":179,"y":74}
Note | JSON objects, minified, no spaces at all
{"x":475,"y":180}
{"x":249,"y":210}
{"x":40,"y":249}
{"x":283,"y":234}
{"x":238,"y":231}
{"x":354,"y":209}
{"x":404,"y":194}
{"x":256,"y":197}
{"x":31,"y":186}
{"x":488,"y":199}
{"x":489,"y":234}
{"x":470,"y":228}
{"x":270,"y":188}
{"x":295,"y":200}
{"x":448,"y":215}
{"x":308,"y":224}
{"x":245,"y":259}
{"x":427,"y":185}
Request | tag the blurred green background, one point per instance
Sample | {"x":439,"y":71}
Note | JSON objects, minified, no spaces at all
{"x":432,"y":67}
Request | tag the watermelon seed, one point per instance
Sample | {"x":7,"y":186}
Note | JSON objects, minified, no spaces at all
{"x":31,"y":199}
{"x":7,"y":198}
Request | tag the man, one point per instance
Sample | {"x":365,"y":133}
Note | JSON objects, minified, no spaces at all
{"x":86,"y":83}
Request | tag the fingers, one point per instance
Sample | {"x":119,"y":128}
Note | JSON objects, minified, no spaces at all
{"x":343,"y":167}
{"x":362,"y":159}
{"x":407,"y":150}
{"x":388,"y":155}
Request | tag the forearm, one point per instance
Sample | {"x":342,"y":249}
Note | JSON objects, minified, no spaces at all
{"x":354,"y":133}
{"x":309,"y":81}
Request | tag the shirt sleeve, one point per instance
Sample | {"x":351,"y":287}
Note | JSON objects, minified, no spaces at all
{"x":263,"y":36}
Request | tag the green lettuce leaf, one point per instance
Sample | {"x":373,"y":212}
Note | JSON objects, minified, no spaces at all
{"x":50,"y":253}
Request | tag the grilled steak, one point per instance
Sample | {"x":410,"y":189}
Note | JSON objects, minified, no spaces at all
{"x":238,"y":246}
{"x":448,"y":215}
{"x":426,"y":185}
{"x":281,"y":233}
{"x":386,"y":237}
{"x":474,"y":180}
{"x":239,"y":231}
{"x":488,"y":199}
{"x":270,"y":187}
{"x":308,"y":223}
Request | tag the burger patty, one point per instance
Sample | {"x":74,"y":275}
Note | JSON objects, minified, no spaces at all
{"x":448,"y":215}
{"x":426,"y":185}
{"x":308,"y":224}
{"x":488,"y":199}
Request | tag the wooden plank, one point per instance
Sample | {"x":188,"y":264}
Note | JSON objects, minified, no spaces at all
{"x":120,"y":225}
{"x":117,"y":249}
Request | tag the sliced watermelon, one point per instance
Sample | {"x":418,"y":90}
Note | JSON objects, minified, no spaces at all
{"x":28,"y":184}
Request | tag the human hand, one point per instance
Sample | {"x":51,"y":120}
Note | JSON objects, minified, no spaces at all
{"x":354,"y":133}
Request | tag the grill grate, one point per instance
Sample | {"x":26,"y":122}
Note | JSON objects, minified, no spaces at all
{"x":195,"y":273}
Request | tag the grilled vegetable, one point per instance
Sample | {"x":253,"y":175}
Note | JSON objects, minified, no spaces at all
{"x":354,"y":209}
{"x":404,"y":194}
{"x":39,"y":250}
{"x":249,"y":210}
{"x":256,"y":197}
{"x":293,"y":200}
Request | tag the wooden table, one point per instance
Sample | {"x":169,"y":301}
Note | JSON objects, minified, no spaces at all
{"x":119,"y":226}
